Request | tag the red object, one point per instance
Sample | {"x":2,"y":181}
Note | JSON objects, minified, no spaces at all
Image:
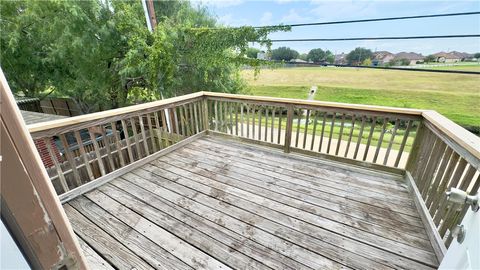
{"x":44,"y":154}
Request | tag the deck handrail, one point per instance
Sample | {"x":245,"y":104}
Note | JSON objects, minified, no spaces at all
{"x":437,"y":153}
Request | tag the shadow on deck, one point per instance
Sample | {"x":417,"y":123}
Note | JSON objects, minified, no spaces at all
{"x":215,"y":203}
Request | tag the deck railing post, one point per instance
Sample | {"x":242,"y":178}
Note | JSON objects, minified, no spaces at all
{"x":417,"y":143}
{"x":288,"y":130}
{"x":206,"y":125}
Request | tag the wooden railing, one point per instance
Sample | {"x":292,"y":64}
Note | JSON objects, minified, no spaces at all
{"x":444,"y":156}
{"x":370,"y":134}
{"x":91,"y":146}
{"x":433,"y":152}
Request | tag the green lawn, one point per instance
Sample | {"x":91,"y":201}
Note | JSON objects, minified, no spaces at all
{"x":459,"y":67}
{"x":457,"y":96}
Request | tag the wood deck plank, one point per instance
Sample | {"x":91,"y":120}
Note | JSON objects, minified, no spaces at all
{"x":225,"y":185}
{"x":218,"y":204}
{"x":324,"y":199}
{"x":301,"y":201}
{"x":113,"y":251}
{"x":137,"y":243}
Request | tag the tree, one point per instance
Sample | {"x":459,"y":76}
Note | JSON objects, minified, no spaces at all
{"x":252,"y":52}
{"x":430,"y":58}
{"x":477,"y":55}
{"x":284,"y":53}
{"x":357,"y":56}
{"x":320,"y":56}
{"x":303,"y":56}
{"x":367,"y":62}
{"x":101,"y":54}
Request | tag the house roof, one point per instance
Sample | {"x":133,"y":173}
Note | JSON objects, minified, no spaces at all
{"x":453,"y":55}
{"x":36,"y":117}
{"x":379,"y":55}
{"x":409,"y":56}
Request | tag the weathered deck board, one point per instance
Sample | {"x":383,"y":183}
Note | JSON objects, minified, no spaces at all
{"x":214,"y":204}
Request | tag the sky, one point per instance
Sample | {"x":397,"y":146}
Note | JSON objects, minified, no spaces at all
{"x":258,"y":13}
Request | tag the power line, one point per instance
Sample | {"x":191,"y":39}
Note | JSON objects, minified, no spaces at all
{"x":379,"y":19}
{"x":375,"y":38}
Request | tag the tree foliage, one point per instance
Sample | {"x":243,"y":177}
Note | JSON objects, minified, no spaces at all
{"x":357,"y":56}
{"x":320,"y":56}
{"x":101,"y":54}
{"x":477,"y":55}
{"x":252,"y":52}
{"x":430,"y":58}
{"x":284,"y":54}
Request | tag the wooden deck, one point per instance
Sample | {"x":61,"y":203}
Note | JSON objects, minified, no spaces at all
{"x":215,"y":203}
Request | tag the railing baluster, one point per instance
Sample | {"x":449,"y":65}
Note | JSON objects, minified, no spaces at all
{"x":272,"y":124}
{"x":144,"y":136}
{"x":350,"y":136}
{"x":404,"y":142}
{"x":253,"y":121}
{"x":56,"y":163}
{"x":216,"y":114}
{"x":392,"y":139}
{"x":340,"y":134}
{"x":332,"y":129}
{"x":297,"y":133}
{"x":135,"y":137}
{"x":71,"y":161}
{"x":83,"y":154}
{"x":106,"y":143}
{"x":192,"y":119}
{"x":370,"y":135}
{"x":236,"y":119}
{"x":438,"y":177}
{"x":437,"y":154}
{"x":196,"y":117}
{"x":248,"y":120}
{"x":230,"y":107}
{"x":443,"y":184}
{"x":280,"y":114}
{"x":159,"y":130}
{"x":242,"y":122}
{"x":266,"y":124}
{"x":314,"y":131}
{"x":323,"y":131}
{"x":127,"y":140}
{"x":380,"y":139}
{"x":288,"y":130}
{"x":97,"y":151}
{"x":306,"y":129}
{"x":152,"y":136}
{"x":360,"y":137}
{"x":260,"y":123}
{"x":118,"y":144}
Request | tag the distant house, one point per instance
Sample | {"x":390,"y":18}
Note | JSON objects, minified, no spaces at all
{"x":262,"y":55}
{"x":298,"y":60}
{"x":341,"y":59}
{"x":382,"y":57}
{"x":414,"y":58}
{"x":452,"y":57}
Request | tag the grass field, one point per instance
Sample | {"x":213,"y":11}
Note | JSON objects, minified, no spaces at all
{"x":456,"y":96}
{"x":459,"y":67}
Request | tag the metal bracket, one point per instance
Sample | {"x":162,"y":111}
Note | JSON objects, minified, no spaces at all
{"x":459,"y":232}
{"x":459,"y":196}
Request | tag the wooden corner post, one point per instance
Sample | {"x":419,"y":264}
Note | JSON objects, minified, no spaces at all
{"x":30,"y":208}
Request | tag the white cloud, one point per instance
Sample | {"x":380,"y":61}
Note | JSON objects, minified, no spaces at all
{"x":342,"y":10}
{"x":294,"y":17}
{"x":266,"y":18}
{"x":220,"y":3}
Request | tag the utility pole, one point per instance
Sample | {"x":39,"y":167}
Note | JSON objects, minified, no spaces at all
{"x":149,"y":11}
